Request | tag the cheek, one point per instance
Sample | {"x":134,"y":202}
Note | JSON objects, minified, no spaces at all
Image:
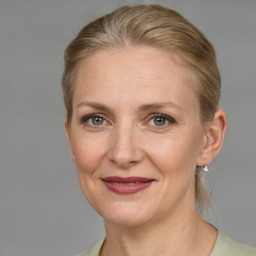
{"x":88,"y":152}
{"x":176,"y":161}
{"x":173,"y":152}
{"x":175,"y":158}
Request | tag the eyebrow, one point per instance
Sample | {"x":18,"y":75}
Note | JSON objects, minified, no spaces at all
{"x":94,"y":105}
{"x":159,"y":105}
{"x":142,"y":108}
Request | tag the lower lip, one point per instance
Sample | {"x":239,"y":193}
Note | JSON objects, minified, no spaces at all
{"x":126,"y":189}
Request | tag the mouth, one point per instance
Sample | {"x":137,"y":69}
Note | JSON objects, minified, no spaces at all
{"x":128,"y":185}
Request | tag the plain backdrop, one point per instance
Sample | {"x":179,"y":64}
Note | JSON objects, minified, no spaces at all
{"x":42,"y":210}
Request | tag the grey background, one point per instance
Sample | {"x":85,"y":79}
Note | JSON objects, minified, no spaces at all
{"x":42,"y":211}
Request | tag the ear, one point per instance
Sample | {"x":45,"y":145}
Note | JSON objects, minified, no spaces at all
{"x":213,"y":140}
{"x":68,"y":135}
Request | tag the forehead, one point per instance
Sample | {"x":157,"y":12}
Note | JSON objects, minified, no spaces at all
{"x":141,"y":60}
{"x":132,"y":72}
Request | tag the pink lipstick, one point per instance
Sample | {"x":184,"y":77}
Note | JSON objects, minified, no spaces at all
{"x":128,"y":185}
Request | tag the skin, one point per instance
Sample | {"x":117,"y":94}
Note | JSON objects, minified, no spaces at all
{"x":122,"y":85}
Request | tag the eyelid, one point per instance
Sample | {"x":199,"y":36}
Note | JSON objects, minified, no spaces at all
{"x":85,"y":118}
{"x":170,"y":119}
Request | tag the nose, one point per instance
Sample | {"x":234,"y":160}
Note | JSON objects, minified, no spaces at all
{"x":125,"y":150}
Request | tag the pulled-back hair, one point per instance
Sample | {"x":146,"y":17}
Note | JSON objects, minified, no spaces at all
{"x":159,"y":27}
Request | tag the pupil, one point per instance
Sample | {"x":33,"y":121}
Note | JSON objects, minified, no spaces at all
{"x":97,"y":120}
{"x":159,"y":121}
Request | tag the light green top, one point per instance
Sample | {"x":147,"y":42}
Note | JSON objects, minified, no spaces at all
{"x":224,"y":246}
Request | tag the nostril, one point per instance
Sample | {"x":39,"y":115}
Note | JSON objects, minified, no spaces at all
{"x":124,"y":149}
{"x":123,"y":163}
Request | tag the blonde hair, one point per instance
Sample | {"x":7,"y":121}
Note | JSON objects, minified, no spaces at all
{"x":156,"y":26}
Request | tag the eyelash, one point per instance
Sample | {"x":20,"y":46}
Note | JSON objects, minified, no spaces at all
{"x":167,"y":118}
{"x":170,"y":120}
{"x":84,"y":120}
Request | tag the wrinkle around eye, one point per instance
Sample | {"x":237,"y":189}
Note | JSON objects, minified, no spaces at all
{"x":87,"y":122}
{"x":168,"y":121}
{"x":90,"y":121}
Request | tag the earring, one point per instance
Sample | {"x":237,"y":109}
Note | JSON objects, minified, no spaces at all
{"x":206,"y":168}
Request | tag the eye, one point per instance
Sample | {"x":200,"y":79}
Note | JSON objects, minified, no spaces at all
{"x":161,"y":120}
{"x":94,"y":120}
{"x":97,"y":120}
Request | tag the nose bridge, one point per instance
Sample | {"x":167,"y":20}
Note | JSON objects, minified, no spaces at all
{"x":124,"y":145}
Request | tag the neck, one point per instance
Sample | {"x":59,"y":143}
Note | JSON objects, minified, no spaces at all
{"x":182,"y":234}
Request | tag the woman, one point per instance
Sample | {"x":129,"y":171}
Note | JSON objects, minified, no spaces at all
{"x":142,"y":88}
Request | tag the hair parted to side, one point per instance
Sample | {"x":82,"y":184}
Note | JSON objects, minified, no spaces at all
{"x":159,"y":27}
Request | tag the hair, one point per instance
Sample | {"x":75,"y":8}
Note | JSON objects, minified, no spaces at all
{"x":159,"y":27}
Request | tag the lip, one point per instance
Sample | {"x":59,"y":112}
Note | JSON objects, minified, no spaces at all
{"x":126,"y":185}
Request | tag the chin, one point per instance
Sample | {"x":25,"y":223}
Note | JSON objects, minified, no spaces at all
{"x":127,"y":215}
{"x":127,"y":221}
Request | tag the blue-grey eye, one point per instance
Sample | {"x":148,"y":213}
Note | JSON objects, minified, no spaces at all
{"x":93,"y":120}
{"x":96,"y":120}
{"x":159,"y":121}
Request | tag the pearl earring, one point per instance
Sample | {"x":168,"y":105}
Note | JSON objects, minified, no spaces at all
{"x":206,"y":168}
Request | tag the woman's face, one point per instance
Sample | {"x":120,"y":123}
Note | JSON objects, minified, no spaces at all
{"x":135,"y":134}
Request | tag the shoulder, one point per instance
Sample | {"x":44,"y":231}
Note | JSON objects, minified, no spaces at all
{"x":94,"y":250}
{"x":225,"y":246}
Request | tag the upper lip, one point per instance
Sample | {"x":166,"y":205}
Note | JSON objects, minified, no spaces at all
{"x":127,"y":179}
